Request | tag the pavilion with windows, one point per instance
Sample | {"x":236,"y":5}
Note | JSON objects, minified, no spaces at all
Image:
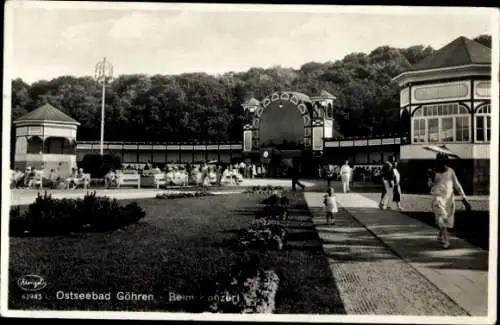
{"x":46,"y":139}
{"x":445,"y":99}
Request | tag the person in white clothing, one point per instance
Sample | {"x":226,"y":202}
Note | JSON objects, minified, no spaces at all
{"x":330,"y":202}
{"x":345,"y":175}
{"x":444,"y":183}
{"x":396,"y":193}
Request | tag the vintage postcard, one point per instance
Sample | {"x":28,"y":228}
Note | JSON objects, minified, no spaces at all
{"x":250,"y":162}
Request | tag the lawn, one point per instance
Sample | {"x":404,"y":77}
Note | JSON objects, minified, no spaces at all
{"x":180,"y":245}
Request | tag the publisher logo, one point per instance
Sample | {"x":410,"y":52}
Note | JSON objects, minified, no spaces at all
{"x":31,"y":282}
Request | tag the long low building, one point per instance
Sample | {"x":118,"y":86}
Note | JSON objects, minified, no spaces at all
{"x":356,"y":150}
{"x":143,"y":152}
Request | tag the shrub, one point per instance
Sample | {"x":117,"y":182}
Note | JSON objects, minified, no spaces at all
{"x":17,"y":224}
{"x":48,"y":216}
{"x":98,"y":165}
{"x":15,"y":212}
{"x":132,"y":213}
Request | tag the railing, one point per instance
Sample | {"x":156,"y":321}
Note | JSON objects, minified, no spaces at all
{"x":196,"y":143}
{"x":369,"y":137}
{"x":361,"y":141}
{"x":357,"y":141}
{"x":118,"y":145}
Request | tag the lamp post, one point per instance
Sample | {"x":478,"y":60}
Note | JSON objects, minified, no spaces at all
{"x":103,"y":74}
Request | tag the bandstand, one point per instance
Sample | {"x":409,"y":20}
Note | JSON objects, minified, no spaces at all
{"x":46,"y":139}
{"x":445,"y":99}
{"x":288,"y":125}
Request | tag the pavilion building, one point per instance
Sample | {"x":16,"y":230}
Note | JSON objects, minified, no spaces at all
{"x":46,"y":139}
{"x":445,"y":100}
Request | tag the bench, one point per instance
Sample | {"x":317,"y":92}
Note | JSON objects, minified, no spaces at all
{"x":36,"y":180}
{"x":128,"y":178}
{"x":83,"y":181}
{"x":153,"y":178}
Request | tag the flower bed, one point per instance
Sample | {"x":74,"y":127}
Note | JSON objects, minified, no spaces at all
{"x":253,"y":289}
{"x":269,"y":189}
{"x":48,"y":216}
{"x":266,"y":233}
{"x":246,"y":293}
{"x":181,"y":195}
{"x":263,"y":235}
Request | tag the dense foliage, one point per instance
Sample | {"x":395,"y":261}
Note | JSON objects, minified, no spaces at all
{"x":198,"y":106}
{"x":98,"y":166}
{"x":48,"y":216}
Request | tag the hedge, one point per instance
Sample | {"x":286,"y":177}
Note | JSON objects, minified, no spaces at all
{"x":48,"y":216}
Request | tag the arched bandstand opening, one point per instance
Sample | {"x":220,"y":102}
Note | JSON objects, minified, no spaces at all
{"x":281,"y":126}
{"x":289,"y":126}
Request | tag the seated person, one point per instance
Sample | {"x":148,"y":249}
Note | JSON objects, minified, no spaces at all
{"x":28,"y":174}
{"x":75,"y":179}
{"x":238,"y":178}
{"x":17,"y":178}
{"x":227,"y":176}
{"x":181,"y":178}
{"x":212,"y":176}
{"x":110,"y":179}
{"x":197,"y":176}
{"x":51,"y":179}
{"x":169,"y":177}
{"x":35,"y":178}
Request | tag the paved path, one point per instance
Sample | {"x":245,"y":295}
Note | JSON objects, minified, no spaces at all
{"x":387,"y":263}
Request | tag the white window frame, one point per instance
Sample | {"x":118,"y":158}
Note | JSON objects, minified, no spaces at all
{"x":482,"y":114}
{"x":419,"y":135}
{"x":435,"y":109}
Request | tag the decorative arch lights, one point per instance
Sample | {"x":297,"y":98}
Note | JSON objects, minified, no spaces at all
{"x":482,"y":125}
{"x":302,"y":108}
{"x":441,"y":123}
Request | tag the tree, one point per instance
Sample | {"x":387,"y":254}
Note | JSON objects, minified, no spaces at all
{"x":484,"y":39}
{"x":198,"y":106}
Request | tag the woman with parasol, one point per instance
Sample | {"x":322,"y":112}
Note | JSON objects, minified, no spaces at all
{"x":443,"y":182}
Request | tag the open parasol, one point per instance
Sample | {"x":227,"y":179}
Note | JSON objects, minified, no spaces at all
{"x":445,"y":150}
{"x":441,"y":149}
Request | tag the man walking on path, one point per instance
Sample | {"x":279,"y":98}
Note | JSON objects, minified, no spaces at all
{"x":387,"y":180}
{"x":295,"y":175}
{"x":345,"y":175}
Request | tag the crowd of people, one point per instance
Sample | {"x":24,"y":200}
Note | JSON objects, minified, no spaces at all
{"x":358,"y":173}
{"x":36,"y":178}
{"x":206,"y":174}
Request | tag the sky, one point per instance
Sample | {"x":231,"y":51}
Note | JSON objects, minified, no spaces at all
{"x":46,"y":41}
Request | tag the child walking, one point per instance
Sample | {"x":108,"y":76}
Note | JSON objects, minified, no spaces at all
{"x":330,"y":202}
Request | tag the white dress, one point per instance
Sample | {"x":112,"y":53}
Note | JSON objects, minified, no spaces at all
{"x":345,"y":173}
{"x":331,"y":204}
{"x":443,"y":204}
